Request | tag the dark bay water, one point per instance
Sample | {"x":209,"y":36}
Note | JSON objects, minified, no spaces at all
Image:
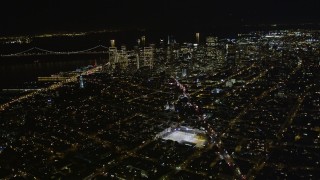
{"x":15,"y":71}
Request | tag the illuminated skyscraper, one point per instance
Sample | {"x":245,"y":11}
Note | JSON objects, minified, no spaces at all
{"x":113,"y":56}
{"x":143,"y":40}
{"x":138,"y":60}
{"x":123,"y":57}
{"x":81,"y":82}
{"x":137,"y":55}
{"x":148,"y":56}
{"x":113,"y":43}
{"x":197,"y":38}
{"x":231,"y":54}
{"x":139,"y":42}
{"x":214,"y":52}
{"x":211,"y":46}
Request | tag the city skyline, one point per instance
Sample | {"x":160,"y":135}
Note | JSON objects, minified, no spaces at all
{"x":242,"y":108}
{"x":170,"y":89}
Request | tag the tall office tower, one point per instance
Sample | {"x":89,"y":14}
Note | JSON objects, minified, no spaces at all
{"x":138,"y":60}
{"x":247,"y":50}
{"x":199,"y":53}
{"x":136,"y":55}
{"x":143,"y":41}
{"x":113,"y":56}
{"x":148,"y":56}
{"x":113,"y":43}
{"x":197,"y":38}
{"x":139,"y":42}
{"x":161,"y":44}
{"x":211,"y":46}
{"x":214,"y":53}
{"x":81,"y":82}
{"x":231,"y":54}
{"x":123,"y":57}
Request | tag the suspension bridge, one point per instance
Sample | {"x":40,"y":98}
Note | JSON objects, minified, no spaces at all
{"x":35,"y":51}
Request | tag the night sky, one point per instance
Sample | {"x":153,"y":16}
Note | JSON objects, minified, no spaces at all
{"x":30,"y":16}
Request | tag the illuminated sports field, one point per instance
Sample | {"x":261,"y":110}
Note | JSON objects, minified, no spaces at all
{"x":183,"y":137}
